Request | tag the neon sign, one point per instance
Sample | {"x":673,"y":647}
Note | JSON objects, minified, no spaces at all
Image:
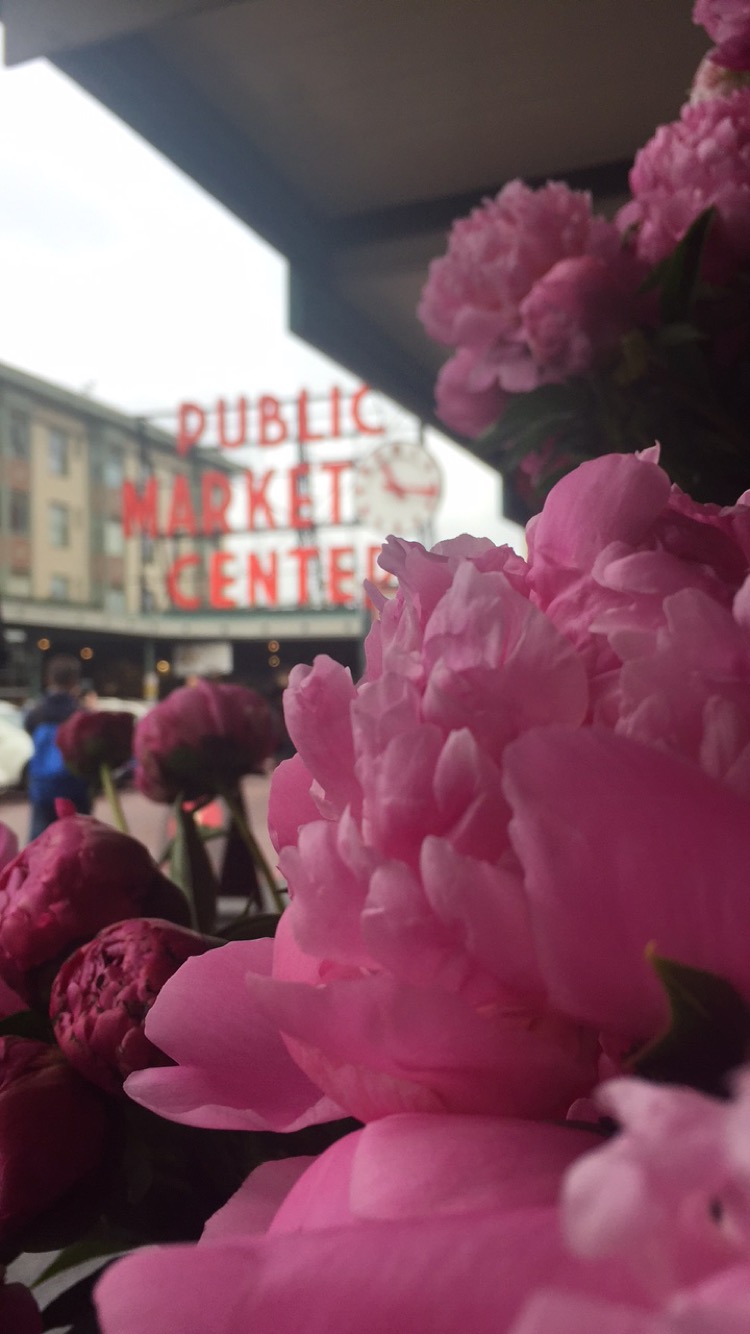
{"x":281,"y":504}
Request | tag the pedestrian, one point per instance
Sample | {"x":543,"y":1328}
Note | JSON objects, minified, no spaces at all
{"x":48,"y":776}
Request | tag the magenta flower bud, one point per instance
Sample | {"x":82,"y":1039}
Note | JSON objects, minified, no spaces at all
{"x":76,"y":878}
{"x":103,"y":992}
{"x":53,"y":1127}
{"x":202,"y":739}
{"x":89,"y":740}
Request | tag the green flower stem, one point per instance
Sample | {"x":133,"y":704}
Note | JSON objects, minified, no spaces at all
{"x":113,"y":797}
{"x":237,"y":812}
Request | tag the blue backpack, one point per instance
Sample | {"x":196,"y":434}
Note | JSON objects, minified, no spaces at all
{"x":48,"y":775}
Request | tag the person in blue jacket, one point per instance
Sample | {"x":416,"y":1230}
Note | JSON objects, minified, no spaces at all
{"x":48,"y":778}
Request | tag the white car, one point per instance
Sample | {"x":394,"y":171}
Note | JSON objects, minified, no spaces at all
{"x":16,"y":746}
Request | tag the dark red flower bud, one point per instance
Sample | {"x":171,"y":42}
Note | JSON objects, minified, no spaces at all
{"x":53,"y":1127}
{"x":103,"y":992}
{"x":77,"y":877}
{"x":202,"y":739}
{"x":89,"y":740}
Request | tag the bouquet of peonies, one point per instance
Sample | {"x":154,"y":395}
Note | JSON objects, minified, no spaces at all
{"x":576,"y":335}
{"x":90,"y":930}
{"x":515,"y":952}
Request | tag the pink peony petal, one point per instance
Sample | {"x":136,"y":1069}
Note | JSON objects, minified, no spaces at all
{"x":561,"y":1313}
{"x":420,"y":1164}
{"x":610,"y":499}
{"x":233,"y":1071}
{"x":317,"y":708}
{"x":375,"y":1278}
{"x":376,"y":1047}
{"x":290,"y":805}
{"x":252,"y":1208}
{"x":624,"y":847}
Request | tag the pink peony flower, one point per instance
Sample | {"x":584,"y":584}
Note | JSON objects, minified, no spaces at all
{"x":477,"y":295}
{"x":77,"y":877}
{"x":103,"y":992}
{"x":464,"y":401}
{"x":52,"y":1132}
{"x":437,"y":955}
{"x":574,"y":317}
{"x":201,"y":739}
{"x":698,"y":162}
{"x":418,"y":1222}
{"x":728,"y":23}
{"x":89,"y":740}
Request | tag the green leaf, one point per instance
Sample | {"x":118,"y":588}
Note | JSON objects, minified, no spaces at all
{"x":100,"y":1245}
{"x":191,"y":869}
{"x":677,"y":276}
{"x":708,"y":1034}
{"x":27,"y":1024}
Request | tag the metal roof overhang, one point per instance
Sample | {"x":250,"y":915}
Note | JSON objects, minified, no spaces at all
{"x":349,"y":133}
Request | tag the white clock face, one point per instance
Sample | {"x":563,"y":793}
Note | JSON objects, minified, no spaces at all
{"x":397,"y":488}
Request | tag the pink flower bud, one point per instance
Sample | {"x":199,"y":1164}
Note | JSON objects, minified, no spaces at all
{"x":52,"y":1132}
{"x":201,"y":739}
{"x":76,"y":878}
{"x":89,"y":740}
{"x":103,"y":992}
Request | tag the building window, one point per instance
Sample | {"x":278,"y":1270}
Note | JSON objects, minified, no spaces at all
{"x":59,"y":525}
{"x":19,"y":513}
{"x":19,"y":436}
{"x":114,"y":600}
{"x":59,"y":588}
{"x":113,"y":471}
{"x":114,"y":538}
{"x":58,"y":452}
{"x":18,"y":585}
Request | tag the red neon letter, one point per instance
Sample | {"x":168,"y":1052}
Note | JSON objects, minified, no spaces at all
{"x":269,"y":415}
{"x":335,"y":470}
{"x":218,"y":581}
{"x":268,"y":578}
{"x":303,"y":555}
{"x":181,"y":512}
{"x":187,"y":434}
{"x":221,"y":418}
{"x":176,"y":597}
{"x":357,"y":422}
{"x":339,"y":574}
{"x":299,"y":497}
{"x":214,"y":508}
{"x":139,"y":511}
{"x":258,"y":500}
{"x":304,"y":434}
{"x":335,"y":413}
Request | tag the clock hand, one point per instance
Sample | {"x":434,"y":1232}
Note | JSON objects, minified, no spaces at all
{"x":390,"y":481}
{"x":419,"y":490}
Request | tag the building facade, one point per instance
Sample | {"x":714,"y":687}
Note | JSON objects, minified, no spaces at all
{"x":71,"y":581}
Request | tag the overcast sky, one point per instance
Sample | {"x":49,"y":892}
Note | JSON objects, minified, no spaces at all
{"x":122,"y":279}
